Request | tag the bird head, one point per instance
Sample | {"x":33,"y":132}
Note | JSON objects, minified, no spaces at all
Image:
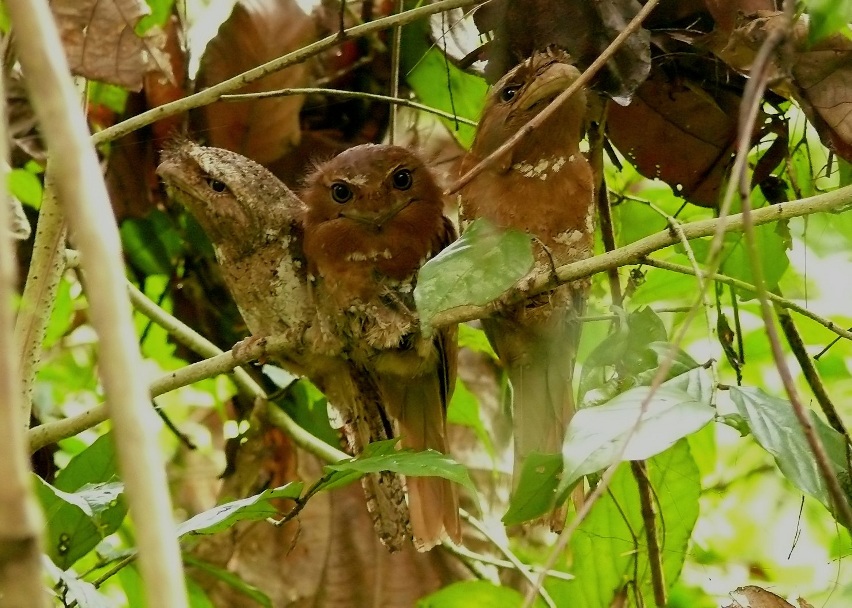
{"x":524,"y":92}
{"x":370,"y":185}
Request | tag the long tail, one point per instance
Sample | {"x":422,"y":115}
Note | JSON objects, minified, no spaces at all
{"x":356,"y":404}
{"x":417,"y":405}
{"x":538,"y":355}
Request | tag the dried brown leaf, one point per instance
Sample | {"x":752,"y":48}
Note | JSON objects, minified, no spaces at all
{"x":256,"y":32}
{"x":819,"y":77}
{"x":101,"y":43}
{"x":753,"y":596}
{"x":584,"y":29}
{"x":678,"y":132}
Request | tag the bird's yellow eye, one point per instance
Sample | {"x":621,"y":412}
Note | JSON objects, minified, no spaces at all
{"x":216,"y":185}
{"x":402,"y":179}
{"x":340,"y":192}
{"x":508,"y":93}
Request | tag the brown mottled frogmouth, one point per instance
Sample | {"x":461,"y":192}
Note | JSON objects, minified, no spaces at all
{"x":543,"y":186}
{"x":374,"y":216}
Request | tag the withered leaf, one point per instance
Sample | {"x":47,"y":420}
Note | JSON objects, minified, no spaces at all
{"x":584,"y":29}
{"x":101,"y":43}
{"x":819,"y":77}
{"x":677,"y":131}
{"x":256,"y":32}
{"x":752,"y":596}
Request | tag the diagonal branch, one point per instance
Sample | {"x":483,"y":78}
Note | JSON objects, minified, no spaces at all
{"x":636,"y":251}
{"x":542,"y":116}
{"x":215,"y":92}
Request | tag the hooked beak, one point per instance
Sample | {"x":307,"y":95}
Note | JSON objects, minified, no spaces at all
{"x":555,"y":78}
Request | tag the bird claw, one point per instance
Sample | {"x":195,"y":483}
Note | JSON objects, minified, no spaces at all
{"x":242,"y":350}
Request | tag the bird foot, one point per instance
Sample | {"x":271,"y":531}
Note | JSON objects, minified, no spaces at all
{"x":245,"y":350}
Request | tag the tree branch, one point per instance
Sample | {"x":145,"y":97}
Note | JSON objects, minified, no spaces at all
{"x":636,"y":251}
{"x":215,"y":92}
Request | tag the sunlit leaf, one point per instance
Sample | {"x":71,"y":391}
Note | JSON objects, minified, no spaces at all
{"x":477,"y":268}
{"x":383,"y":456}
{"x":596,"y":435}
{"x":464,"y":594}
{"x":777,"y":430}
{"x":610,"y":547}
{"x":464,"y":410}
{"x":84,"y":593}
{"x":252,"y":508}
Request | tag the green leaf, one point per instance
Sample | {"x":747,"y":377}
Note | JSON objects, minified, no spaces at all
{"x":604,"y":551}
{"x":383,"y":456}
{"x":25,"y":186}
{"x":251,"y":508}
{"x":535,"y":494}
{"x":628,"y":350}
{"x":476,"y":340}
{"x":96,"y":464}
{"x":828,"y":17}
{"x":595,"y":435}
{"x":437,"y":82}
{"x":464,"y":410}
{"x":465,"y":594}
{"x":777,"y":430}
{"x":230,"y":579}
{"x":477,"y":268}
{"x":84,"y":593}
{"x":152,"y":243}
{"x":77,"y":521}
{"x":62,"y":315}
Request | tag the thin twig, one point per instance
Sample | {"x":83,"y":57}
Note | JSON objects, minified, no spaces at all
{"x":636,"y":251}
{"x":350,"y":94}
{"x":752,"y":96}
{"x":542,"y":116}
{"x":649,"y":520}
{"x":797,"y":345}
{"x":504,"y":563}
{"x":215,"y":92}
{"x":43,"y":277}
{"x":537,"y":588}
{"x":783,"y":302}
{"x":396,"y":52}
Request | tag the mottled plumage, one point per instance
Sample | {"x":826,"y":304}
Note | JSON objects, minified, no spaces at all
{"x":254,"y":223}
{"x":543,"y":186}
{"x":374,"y":216}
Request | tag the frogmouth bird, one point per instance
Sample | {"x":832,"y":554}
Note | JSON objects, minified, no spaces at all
{"x":374,"y":216}
{"x":254,"y":223}
{"x":543,"y":186}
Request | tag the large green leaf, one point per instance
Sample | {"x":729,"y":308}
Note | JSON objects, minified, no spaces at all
{"x":609,"y":548}
{"x":777,"y":430}
{"x":828,"y":17}
{"x":251,"y":508}
{"x":596,"y":435}
{"x":465,"y":594}
{"x":85,"y":503}
{"x":77,"y":521}
{"x":535,"y":493}
{"x":384,"y":456}
{"x":476,"y":269}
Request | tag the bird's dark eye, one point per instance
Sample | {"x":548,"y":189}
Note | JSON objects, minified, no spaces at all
{"x":216,"y":185}
{"x":508,"y":93}
{"x":341,"y":192}
{"x":402,"y":179}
